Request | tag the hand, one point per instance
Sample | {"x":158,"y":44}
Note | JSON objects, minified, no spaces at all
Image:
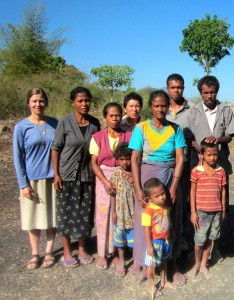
{"x":223,"y":215}
{"x":110,"y":188}
{"x":58,"y":183}
{"x":114,"y":218}
{"x":28,"y":192}
{"x":194,"y":220}
{"x":211,"y":139}
{"x":141,"y":198}
{"x":173,"y":194}
{"x":150,"y":250}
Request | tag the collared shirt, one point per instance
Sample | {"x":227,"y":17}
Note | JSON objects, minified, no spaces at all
{"x":211,"y":116}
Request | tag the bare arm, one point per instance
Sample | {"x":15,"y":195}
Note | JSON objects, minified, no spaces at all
{"x":113,"y":209}
{"x":58,"y":184}
{"x":223,"y":202}
{"x":148,"y":238}
{"x":136,"y":159}
{"x":194,"y":218}
{"x":109,"y":187}
{"x":177,"y":173}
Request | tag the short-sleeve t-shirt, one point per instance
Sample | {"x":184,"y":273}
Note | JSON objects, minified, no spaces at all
{"x":157,"y":218}
{"x":208,"y":191}
{"x":157,"y":145}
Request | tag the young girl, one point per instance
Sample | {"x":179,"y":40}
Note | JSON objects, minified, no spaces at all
{"x":122,"y":204}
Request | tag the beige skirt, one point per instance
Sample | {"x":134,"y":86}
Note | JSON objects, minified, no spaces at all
{"x":40,"y":212}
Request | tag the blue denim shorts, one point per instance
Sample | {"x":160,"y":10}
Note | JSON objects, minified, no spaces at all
{"x":163,"y":251}
{"x":123,"y":237}
{"x":209,"y":227}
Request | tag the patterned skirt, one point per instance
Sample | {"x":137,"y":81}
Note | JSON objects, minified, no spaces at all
{"x":75,"y":209}
{"x":104,"y":224}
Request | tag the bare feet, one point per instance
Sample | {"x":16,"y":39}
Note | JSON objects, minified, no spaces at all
{"x":153,"y":291}
{"x":194,"y":271}
{"x":179,"y":279}
{"x":208,"y":275}
{"x":101,"y":263}
{"x":169,"y":285}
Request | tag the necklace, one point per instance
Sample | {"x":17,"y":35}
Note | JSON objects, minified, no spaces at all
{"x":42,"y":134}
{"x":41,"y":130}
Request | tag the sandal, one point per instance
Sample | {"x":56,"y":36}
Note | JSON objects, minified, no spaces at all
{"x":86,"y":259}
{"x":48,"y":260}
{"x":120,"y":272}
{"x":33,"y":264}
{"x":69,"y":263}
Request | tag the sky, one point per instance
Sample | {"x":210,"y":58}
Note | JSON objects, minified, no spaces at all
{"x":144,"y":34}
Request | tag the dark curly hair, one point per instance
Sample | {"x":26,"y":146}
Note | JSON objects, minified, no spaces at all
{"x":122,"y":150}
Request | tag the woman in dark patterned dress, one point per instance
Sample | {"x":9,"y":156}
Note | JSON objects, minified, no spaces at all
{"x":73,"y":176}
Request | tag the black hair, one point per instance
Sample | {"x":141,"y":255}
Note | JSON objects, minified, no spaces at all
{"x":204,"y":145}
{"x":156,"y":94}
{"x":208,"y":81}
{"x":79,"y":90}
{"x":122,"y":150}
{"x":37,"y":91}
{"x":150,"y":184}
{"x":109,"y":105}
{"x":133,"y":96}
{"x":175,"y":77}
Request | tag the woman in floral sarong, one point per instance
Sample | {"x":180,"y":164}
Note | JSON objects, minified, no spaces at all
{"x":102,"y":145}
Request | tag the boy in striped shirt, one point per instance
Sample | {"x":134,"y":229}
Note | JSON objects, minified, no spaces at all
{"x":207,"y":198}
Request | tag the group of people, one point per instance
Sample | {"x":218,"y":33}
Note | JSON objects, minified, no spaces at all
{"x":136,"y":176}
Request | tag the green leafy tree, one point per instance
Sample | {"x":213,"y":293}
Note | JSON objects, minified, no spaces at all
{"x":113,"y":77}
{"x":207,"y":41}
{"x":26,"y":48}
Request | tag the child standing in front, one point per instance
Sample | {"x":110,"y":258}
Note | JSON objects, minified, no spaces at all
{"x":158,"y":232}
{"x":122,"y":204}
{"x":207,"y":198}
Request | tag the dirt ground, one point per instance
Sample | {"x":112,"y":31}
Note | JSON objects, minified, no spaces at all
{"x":87,"y":282}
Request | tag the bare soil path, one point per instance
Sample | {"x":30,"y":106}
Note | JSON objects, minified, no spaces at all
{"x":87,"y":282}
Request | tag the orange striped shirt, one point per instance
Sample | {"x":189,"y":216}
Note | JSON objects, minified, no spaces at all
{"x":209,"y":188}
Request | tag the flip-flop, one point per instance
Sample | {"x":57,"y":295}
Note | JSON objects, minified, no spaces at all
{"x":69,"y":263}
{"x":49,"y":261}
{"x":86,"y":259}
{"x":120,"y":272}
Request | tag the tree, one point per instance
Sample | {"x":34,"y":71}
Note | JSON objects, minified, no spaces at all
{"x":26,"y":49}
{"x":112,"y":77}
{"x":207,"y":41}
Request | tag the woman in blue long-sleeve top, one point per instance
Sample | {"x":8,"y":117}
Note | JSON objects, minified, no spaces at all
{"x":32,"y":141}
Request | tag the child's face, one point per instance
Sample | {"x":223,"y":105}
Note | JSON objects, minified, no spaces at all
{"x":210,"y":156}
{"x":157,"y":195}
{"x":125,"y":162}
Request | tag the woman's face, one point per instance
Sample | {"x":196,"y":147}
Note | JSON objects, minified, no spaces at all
{"x":82,"y":103}
{"x":113,"y":117}
{"x":37,"y":105}
{"x":159,"y":108}
{"x":133,"y":109}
